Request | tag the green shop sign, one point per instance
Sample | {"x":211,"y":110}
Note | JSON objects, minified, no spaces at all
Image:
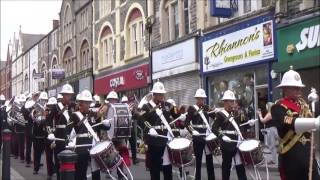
{"x":299,"y":45}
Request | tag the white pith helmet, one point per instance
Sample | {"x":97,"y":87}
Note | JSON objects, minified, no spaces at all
{"x":228,"y":95}
{"x":158,"y":87}
{"x":112,"y":95}
{"x":43,"y":95}
{"x":171,"y":101}
{"x":124,"y":99}
{"x":52,"y":101}
{"x":23,"y":98}
{"x":85,"y":95}
{"x":200,"y":93}
{"x":291,"y":78}
{"x":78,"y":97}
{"x":96,"y":98}
{"x":67,"y":89}
{"x":2,"y":98}
{"x":59,"y":96}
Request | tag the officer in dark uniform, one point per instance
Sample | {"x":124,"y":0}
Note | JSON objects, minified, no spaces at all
{"x":39,"y":132}
{"x":61,"y":130}
{"x":226,"y":127}
{"x":290,"y":115}
{"x":157,"y":151}
{"x":51,"y":115}
{"x":198,"y":128}
{"x":82,"y":135}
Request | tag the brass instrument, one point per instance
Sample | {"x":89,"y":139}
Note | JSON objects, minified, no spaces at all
{"x":38,"y":113}
{"x":14,"y":113}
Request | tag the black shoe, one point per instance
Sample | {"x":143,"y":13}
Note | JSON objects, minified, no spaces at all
{"x":22,"y":161}
{"x":41,"y":165}
{"x":28,"y":165}
{"x":35,"y":172}
{"x":49,"y":177}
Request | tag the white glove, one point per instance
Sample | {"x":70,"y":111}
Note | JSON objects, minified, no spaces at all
{"x":72,"y":144}
{"x":51,"y":137}
{"x":106,"y":123}
{"x":226,"y":139}
{"x":153,"y":132}
{"x":184,"y":132}
{"x":195,"y":133}
{"x":183,"y":117}
{"x":252,"y":122}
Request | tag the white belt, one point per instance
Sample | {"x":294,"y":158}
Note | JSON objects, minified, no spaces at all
{"x":83,"y":135}
{"x":199,"y":126}
{"x":61,"y":126}
{"x":228,"y":132}
{"x":159,"y":127}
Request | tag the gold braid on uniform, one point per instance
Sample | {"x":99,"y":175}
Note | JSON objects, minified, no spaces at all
{"x":291,"y":138}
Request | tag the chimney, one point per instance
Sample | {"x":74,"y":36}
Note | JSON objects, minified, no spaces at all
{"x":55,"y":23}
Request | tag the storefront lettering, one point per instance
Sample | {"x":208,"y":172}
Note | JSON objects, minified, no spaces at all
{"x":218,"y":49}
{"x":309,"y":37}
{"x":116,"y":82}
{"x":139,"y":75}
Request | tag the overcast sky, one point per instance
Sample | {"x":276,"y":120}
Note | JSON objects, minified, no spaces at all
{"x":34,"y":16}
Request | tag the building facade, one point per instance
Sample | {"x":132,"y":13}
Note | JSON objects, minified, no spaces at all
{"x":120,"y":46}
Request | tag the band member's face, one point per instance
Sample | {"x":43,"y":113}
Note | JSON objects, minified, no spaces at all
{"x":229,"y":104}
{"x":158,"y":97}
{"x":112,"y":101}
{"x":292,"y":92}
{"x":84,"y":106}
{"x":200,"y":101}
{"x":67,"y":98}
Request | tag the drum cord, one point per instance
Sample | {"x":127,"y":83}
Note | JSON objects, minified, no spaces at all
{"x":127,"y":170}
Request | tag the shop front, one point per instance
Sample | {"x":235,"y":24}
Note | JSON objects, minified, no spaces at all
{"x":177,"y":68}
{"x":132,"y":82}
{"x":239,"y":58}
{"x":299,"y":47}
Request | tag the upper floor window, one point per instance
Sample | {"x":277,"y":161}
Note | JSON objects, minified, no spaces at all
{"x":26,"y":82}
{"x":105,"y":7}
{"x":135,"y":34}
{"x":246,"y":6}
{"x":83,"y":20}
{"x":106,"y":48}
{"x":84,"y":55}
{"x":68,"y":62}
{"x":174,"y":17}
{"x":67,"y":25}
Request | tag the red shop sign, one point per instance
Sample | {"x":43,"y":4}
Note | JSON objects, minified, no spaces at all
{"x":131,"y":78}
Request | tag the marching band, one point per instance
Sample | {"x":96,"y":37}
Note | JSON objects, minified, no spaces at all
{"x":98,"y":131}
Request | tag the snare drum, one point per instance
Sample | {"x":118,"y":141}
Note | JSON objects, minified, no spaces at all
{"x":180,"y":152}
{"x":121,"y":124}
{"x":251,"y":152}
{"x":105,"y":155}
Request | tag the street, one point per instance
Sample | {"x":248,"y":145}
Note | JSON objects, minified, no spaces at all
{"x":138,"y":171}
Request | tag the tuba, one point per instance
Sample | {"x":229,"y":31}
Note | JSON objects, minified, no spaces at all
{"x":38,"y":113}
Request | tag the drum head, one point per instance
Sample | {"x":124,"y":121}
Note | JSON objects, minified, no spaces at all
{"x":179,"y":143}
{"x":249,"y":145}
{"x":99,"y":147}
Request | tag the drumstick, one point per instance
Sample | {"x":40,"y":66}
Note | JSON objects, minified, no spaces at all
{"x":158,"y":135}
{"x":178,"y":118}
{"x":58,"y":139}
{"x":80,"y":145}
{"x":98,"y":124}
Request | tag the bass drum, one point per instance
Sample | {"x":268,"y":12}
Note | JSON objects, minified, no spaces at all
{"x":121,"y":123}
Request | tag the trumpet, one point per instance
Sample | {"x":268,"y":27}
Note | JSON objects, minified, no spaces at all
{"x":14,"y":114}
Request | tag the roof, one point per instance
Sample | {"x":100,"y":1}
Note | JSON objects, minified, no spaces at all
{"x":28,"y":40}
